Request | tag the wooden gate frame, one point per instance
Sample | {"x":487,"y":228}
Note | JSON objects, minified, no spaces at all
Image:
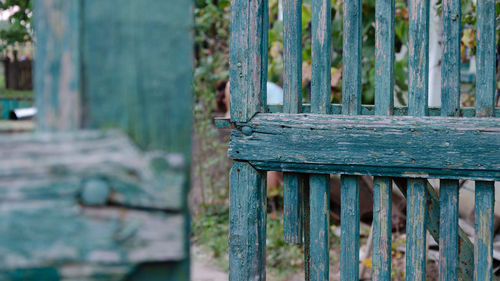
{"x":405,"y":149}
{"x":99,"y":190}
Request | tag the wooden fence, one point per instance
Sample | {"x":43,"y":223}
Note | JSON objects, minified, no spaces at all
{"x":401,"y":145}
{"x":18,"y":74}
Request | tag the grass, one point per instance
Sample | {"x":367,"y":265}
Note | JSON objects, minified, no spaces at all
{"x":211,"y":232}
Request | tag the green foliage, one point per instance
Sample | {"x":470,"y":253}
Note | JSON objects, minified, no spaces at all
{"x":19,"y":29}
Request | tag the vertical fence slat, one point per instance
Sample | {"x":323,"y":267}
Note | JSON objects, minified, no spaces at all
{"x":351,"y":105}
{"x":382,"y":228}
{"x":292,"y":211}
{"x":247,"y":229}
{"x":485,"y":95}
{"x":450,"y":100}
{"x":57,"y":83}
{"x":483,"y":242}
{"x":319,"y":196}
{"x":418,"y":79}
{"x":384,"y":57}
{"x":448,"y":230}
{"x":351,"y":58}
{"x":450,"y":68}
{"x":418,"y":70}
{"x":292,"y":50}
{"x":486,"y":60}
{"x":416,"y":230}
{"x":248,"y":58}
{"x":349,"y":219}
{"x":319,"y":185}
{"x":306,"y":220}
{"x":384,"y":104}
{"x":292,"y":103}
{"x":320,"y":61}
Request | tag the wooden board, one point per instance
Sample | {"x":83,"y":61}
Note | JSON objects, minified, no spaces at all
{"x":405,"y":146}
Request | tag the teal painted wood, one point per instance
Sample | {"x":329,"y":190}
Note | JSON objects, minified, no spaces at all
{"x":450,"y":67}
{"x":307,"y":227}
{"x":248,"y":58}
{"x":292,"y":103}
{"x":465,"y":247}
{"x":450,"y":100}
{"x":319,"y":196}
{"x":73,"y":41}
{"x":351,"y":58}
{"x":57,"y":85}
{"x":418,"y":59}
{"x":448,"y":230}
{"x":416,"y":230}
{"x":486,"y":58}
{"x":126,"y":64}
{"x":384,"y":57}
{"x":349,"y":237}
{"x":351,"y":105}
{"x":292,"y":56}
{"x":320,"y":62}
{"x":484,"y":219}
{"x":247,"y":223}
{"x":485,"y":94}
{"x":292,"y":211}
{"x":382,"y":228}
{"x":432,"y":146}
{"x":336,"y":109}
{"x":384,"y":105}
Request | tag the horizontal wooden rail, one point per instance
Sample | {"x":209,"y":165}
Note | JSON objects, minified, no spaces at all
{"x":336,"y":109}
{"x":449,"y":148}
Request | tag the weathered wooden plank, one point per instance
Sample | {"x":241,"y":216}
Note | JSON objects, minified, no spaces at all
{"x":321,"y":53}
{"x":450,"y":100}
{"x":382,"y":228}
{"x":248,"y":58}
{"x":351,"y":105}
{"x":126,"y":85}
{"x":450,"y":67}
{"x":54,"y":165}
{"x":336,"y":109}
{"x":57,"y":83}
{"x":62,"y":231}
{"x":319,"y":196}
{"x":465,"y":247}
{"x":247,"y":223}
{"x":292,"y":103}
{"x":349,"y":237}
{"x":292,"y":211}
{"x":384,"y":57}
{"x":416,"y":230}
{"x":486,"y":58}
{"x":418,"y":58}
{"x":307,"y":227}
{"x":292,"y":56}
{"x":485,"y":95}
{"x":384,"y":105}
{"x":445,"y":147}
{"x":351,"y":57}
{"x":483,"y":240}
{"x":448,"y":230}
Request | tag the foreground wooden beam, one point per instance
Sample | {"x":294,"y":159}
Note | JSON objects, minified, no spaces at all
{"x":449,"y":148}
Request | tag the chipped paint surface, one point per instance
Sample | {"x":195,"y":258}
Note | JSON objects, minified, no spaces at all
{"x":321,"y":55}
{"x":440,"y":147}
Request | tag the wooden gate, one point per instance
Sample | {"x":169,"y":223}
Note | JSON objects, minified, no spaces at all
{"x":402,"y":145}
{"x":99,"y":191}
